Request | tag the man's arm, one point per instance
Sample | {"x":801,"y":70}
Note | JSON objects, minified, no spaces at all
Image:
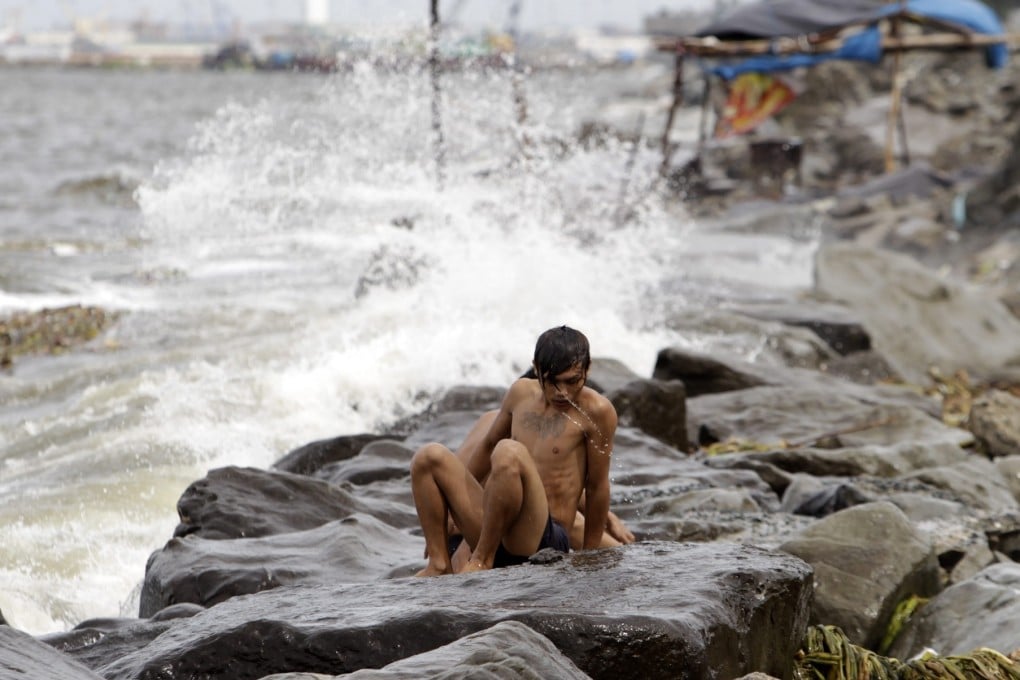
{"x":479,"y":461}
{"x":596,"y":484}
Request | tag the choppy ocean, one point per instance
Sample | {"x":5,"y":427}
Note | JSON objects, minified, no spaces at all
{"x":286,"y":268}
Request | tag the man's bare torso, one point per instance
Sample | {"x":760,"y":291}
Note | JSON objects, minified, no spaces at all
{"x":557,"y":442}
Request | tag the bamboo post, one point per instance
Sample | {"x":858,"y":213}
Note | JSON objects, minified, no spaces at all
{"x":437,"y":113}
{"x":896,"y":97}
{"x":517,"y":78}
{"x":628,"y":170}
{"x":904,"y":148}
{"x":706,"y":102}
{"x":678,"y":95}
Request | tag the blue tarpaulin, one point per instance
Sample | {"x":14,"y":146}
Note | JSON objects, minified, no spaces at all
{"x":789,"y":18}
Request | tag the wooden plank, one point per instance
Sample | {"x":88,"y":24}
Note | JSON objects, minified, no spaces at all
{"x":714,"y":47}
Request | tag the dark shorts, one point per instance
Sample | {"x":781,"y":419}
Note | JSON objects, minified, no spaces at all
{"x":554,"y":536}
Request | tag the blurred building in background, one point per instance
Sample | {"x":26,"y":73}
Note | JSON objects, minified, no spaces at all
{"x":216,"y":37}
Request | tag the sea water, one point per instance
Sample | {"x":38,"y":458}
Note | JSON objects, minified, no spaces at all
{"x":286,"y":267}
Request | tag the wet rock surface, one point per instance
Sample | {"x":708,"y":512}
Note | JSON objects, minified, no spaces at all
{"x":508,"y":650}
{"x":615,"y":613}
{"x":22,"y":656}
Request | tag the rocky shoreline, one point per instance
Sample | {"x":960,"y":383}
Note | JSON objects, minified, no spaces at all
{"x":801,"y":490}
{"x":863,"y":472}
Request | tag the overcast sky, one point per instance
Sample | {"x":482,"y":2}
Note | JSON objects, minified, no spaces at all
{"x":39,"y":14}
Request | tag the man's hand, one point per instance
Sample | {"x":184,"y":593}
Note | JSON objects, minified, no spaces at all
{"x":617,"y":529}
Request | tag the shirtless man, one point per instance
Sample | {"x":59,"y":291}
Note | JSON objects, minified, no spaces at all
{"x":616,"y":532}
{"x":549,"y":443}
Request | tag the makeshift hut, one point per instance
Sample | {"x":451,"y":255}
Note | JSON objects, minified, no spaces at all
{"x":749,"y":47}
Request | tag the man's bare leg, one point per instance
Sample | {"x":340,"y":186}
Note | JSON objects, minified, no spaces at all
{"x":515,"y":509}
{"x":440,"y":483}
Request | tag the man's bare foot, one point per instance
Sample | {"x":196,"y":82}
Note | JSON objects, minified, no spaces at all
{"x":473,"y":565}
{"x":430,"y":570}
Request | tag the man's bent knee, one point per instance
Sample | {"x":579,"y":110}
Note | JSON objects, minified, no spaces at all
{"x":508,"y":455}
{"x":427,"y":457}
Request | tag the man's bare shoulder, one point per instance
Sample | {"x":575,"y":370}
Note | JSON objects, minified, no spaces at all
{"x":521,"y":389}
{"x":597,"y":404}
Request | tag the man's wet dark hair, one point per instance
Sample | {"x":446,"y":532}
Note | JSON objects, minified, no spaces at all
{"x":558,"y":350}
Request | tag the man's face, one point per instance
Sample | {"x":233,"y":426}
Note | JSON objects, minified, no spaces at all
{"x":564,"y":389}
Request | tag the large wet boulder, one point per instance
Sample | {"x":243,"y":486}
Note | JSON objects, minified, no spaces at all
{"x":878,"y":460}
{"x":507,"y":651}
{"x":203,"y":571}
{"x":656,"y":407}
{"x":924,"y":320}
{"x":96,"y":642}
{"x":832,"y":323}
{"x":235,"y":502}
{"x":380,"y":461}
{"x":867,"y":559}
{"x":703,"y":374}
{"x":812,"y":414}
{"x":980,"y":612}
{"x":22,"y":656}
{"x":307,"y":459}
{"x":646,"y":610}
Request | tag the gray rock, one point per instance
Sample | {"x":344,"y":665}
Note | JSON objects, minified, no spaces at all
{"x":771,"y":343}
{"x":646,"y":610}
{"x":976,"y":482}
{"x":1009,"y":468}
{"x":23,"y":657}
{"x":507,"y":651}
{"x":924,"y":509}
{"x":97,"y":641}
{"x":804,"y":416}
{"x":722,"y":372}
{"x":305,"y":460}
{"x":702,"y":374}
{"x":832,"y":323}
{"x":965,"y":559}
{"x":449,"y":428}
{"x":355,"y":549}
{"x":610,"y":375}
{"x":876,"y":460}
{"x":380,"y":461}
{"x":811,"y":496}
{"x":866,"y":560}
{"x":923,"y":321}
{"x":656,"y":407}
{"x":979,"y":612}
{"x":235,"y":502}
{"x":866,"y":368}
{"x":995,"y":422}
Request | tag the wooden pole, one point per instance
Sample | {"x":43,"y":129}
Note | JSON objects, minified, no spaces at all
{"x":678,"y":95}
{"x":713,"y":47}
{"x":902,"y":122}
{"x":517,"y":79}
{"x":628,"y":170}
{"x":896,"y":96}
{"x":706,"y":102}
{"x":437,"y":95}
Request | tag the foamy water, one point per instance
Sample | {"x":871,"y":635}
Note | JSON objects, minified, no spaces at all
{"x":292,"y":271}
